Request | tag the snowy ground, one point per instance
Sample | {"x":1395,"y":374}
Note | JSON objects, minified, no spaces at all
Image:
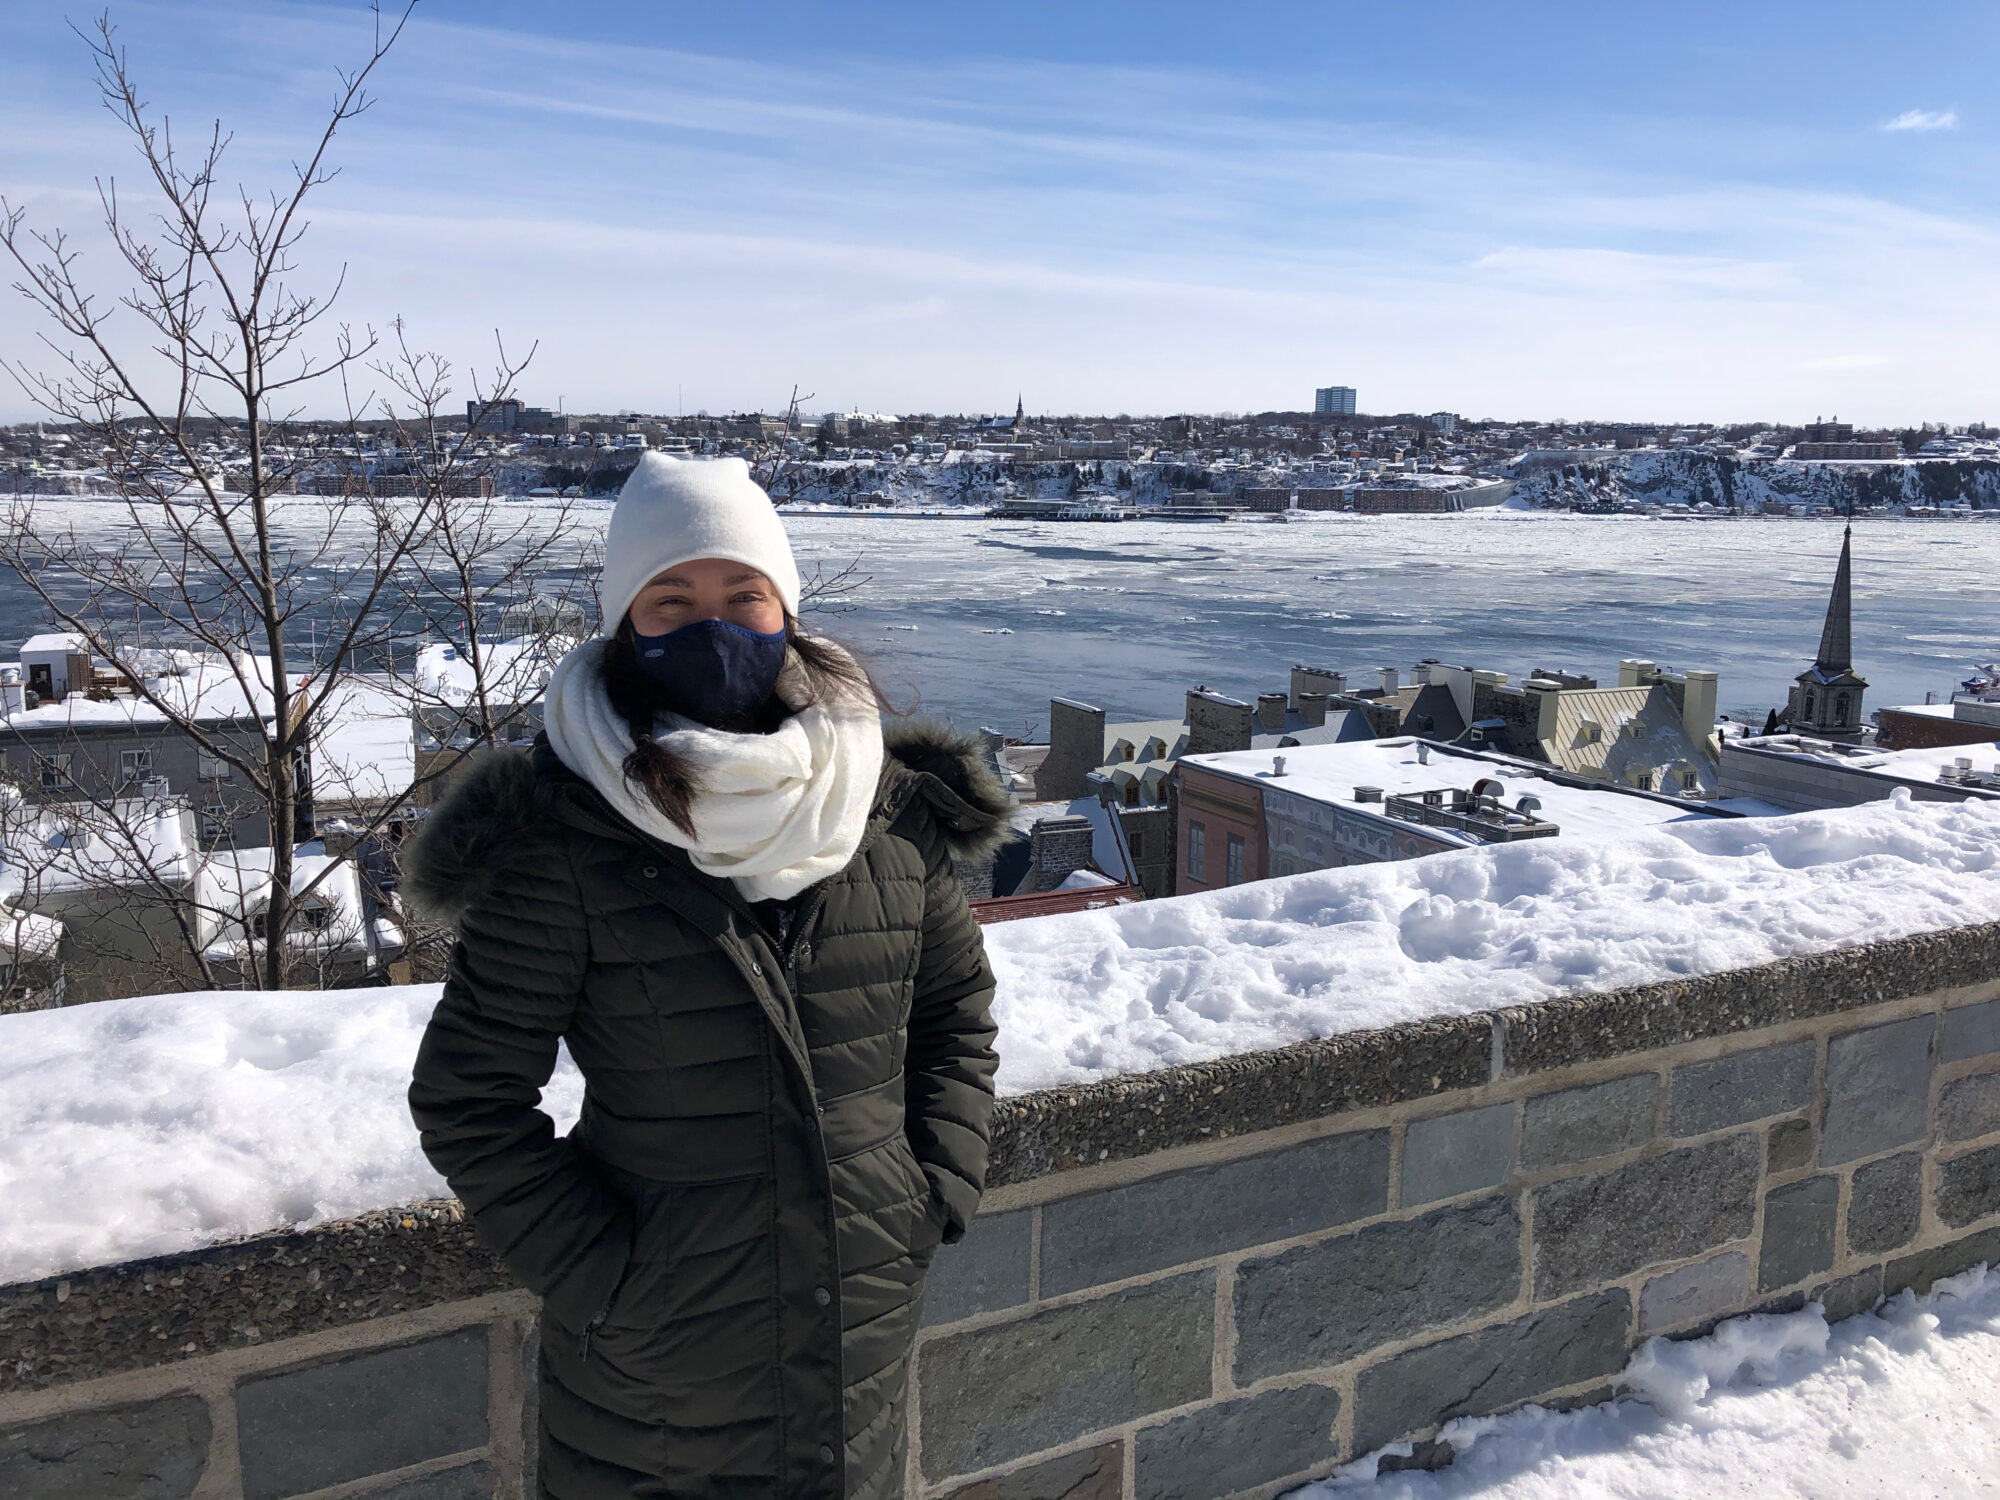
{"x":1902,"y":1404}
{"x":195,"y":1118}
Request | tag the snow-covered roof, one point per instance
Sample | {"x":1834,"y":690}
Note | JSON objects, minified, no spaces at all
{"x":50,"y":848}
{"x":234,"y":886}
{"x":1921,"y":764}
{"x":56,"y":644}
{"x":199,"y":686}
{"x":1330,"y":773}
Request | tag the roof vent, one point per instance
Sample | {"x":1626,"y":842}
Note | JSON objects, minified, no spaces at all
{"x":1368,"y":794}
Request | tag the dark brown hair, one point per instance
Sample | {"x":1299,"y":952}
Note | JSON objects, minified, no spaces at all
{"x":670,"y":781}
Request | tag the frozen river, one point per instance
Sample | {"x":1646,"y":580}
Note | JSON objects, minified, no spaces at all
{"x":1130,"y":615}
{"x":984,"y":620}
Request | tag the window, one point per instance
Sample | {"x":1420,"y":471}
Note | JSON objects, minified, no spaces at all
{"x":55,"y":771}
{"x":212,"y":768}
{"x":215,"y":825}
{"x":1196,"y":840}
{"x":135,"y":765}
{"x":1234,"y":872}
{"x":1811,"y":704}
{"x":1840,"y":708}
{"x":1690,"y":781}
{"x":1136,"y":841}
{"x":1131,"y":794}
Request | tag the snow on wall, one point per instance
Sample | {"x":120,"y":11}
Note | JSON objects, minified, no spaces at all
{"x":1127,"y":989}
{"x":138,"y":1127}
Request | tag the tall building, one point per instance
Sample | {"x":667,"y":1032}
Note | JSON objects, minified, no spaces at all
{"x":1826,"y":699}
{"x":1333,"y":401}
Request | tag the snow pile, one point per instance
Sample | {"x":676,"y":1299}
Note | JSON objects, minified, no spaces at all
{"x":1128,"y":989}
{"x":138,"y":1127}
{"x":1894,"y":1403}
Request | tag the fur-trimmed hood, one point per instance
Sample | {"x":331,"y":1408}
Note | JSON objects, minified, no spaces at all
{"x":500,"y":796}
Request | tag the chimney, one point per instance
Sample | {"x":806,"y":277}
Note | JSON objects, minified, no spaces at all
{"x":1058,"y":848}
{"x":1389,"y":678}
{"x":1307,"y":679}
{"x":14,"y":696}
{"x":1216,"y":723}
{"x":1420,"y":674}
{"x":1698,"y":707}
{"x":1271,"y":710}
{"x":1312,"y":709}
{"x":1633,"y":672}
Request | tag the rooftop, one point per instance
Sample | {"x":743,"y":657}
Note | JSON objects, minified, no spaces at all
{"x":1330,"y":773}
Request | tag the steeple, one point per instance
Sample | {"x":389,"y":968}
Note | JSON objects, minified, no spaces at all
{"x":1826,"y":698}
{"x":1836,"y":638}
{"x":1017,"y":410}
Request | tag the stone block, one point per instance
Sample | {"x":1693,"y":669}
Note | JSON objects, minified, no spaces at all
{"x":1598,"y":1119}
{"x":1668,"y":1207}
{"x":1789,"y":1146}
{"x":991,"y":1395}
{"x":984,"y":1272}
{"x":1798,"y":1232}
{"x":1885,"y":1205}
{"x":473,"y":1481}
{"x":155,"y":1450}
{"x":1968,"y":1187}
{"x":1327,"y":1303}
{"x":1850,"y":1296}
{"x":1238,"y":1445}
{"x":1455,"y":1154}
{"x":1492,"y":1369}
{"x":344,"y":1419}
{"x":1971,"y":1031}
{"x":1969,"y":1107}
{"x":1877,"y":1089}
{"x":1700,"y":1293}
{"x":1740,"y":1088}
{"x":1167,"y":1221}
{"x":1094,"y":1474}
{"x":1917,"y":1272}
{"x":531,"y":1408}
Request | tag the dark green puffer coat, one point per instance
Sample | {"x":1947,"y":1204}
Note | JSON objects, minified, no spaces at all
{"x":731,"y":1243}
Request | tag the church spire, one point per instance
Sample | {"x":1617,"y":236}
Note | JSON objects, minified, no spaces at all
{"x":1836,"y":639}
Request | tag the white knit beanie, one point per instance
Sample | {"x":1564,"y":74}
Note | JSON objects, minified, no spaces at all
{"x":675,"y":510}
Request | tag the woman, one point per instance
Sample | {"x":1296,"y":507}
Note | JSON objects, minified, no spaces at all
{"x":715,"y":882}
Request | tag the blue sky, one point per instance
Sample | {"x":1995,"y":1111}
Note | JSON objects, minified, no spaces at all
{"x":1626,"y":211}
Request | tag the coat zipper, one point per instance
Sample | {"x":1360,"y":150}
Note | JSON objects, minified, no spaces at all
{"x":589,"y":1329}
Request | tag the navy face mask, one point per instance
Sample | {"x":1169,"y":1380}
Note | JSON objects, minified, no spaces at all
{"x":712,"y":671}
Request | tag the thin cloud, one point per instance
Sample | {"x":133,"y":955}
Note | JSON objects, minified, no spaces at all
{"x":1842,"y":362}
{"x":1923,"y":120}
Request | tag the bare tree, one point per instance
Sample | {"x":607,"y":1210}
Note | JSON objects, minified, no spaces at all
{"x":233,"y":564}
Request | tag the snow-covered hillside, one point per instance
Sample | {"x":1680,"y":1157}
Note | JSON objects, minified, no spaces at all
{"x":1697,"y":476}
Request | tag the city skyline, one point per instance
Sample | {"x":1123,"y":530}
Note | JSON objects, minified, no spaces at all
{"x":1735,"y":218}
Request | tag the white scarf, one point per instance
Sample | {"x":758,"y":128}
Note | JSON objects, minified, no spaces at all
{"x":777,"y":812}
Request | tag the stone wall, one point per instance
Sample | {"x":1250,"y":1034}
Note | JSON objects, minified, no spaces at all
{"x":1213,"y":1280}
